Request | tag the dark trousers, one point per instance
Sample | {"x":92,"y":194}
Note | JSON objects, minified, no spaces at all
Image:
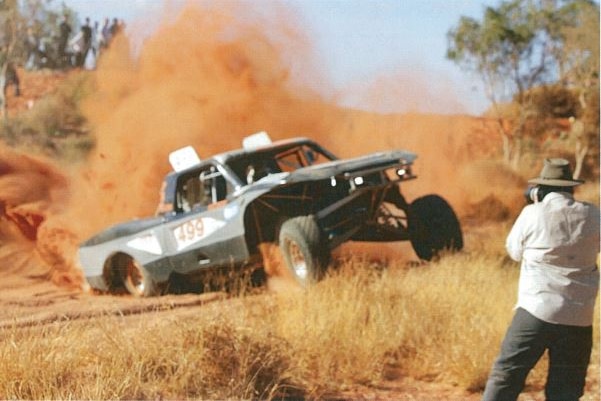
{"x":526,"y":340}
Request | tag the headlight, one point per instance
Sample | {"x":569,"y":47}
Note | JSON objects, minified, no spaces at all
{"x":358,"y":181}
{"x":404,"y":172}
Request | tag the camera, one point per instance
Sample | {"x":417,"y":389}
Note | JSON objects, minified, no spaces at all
{"x":534,"y":194}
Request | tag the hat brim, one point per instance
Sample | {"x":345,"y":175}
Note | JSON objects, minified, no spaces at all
{"x":555,"y":182}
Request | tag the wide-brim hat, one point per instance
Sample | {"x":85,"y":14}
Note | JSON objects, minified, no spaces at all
{"x":556,"y":173}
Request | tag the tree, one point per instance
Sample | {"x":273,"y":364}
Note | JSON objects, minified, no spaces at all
{"x":8,"y":18}
{"x":512,"y":50}
{"x":584,"y":133}
{"x":578,"y":59}
{"x":578,"y":56}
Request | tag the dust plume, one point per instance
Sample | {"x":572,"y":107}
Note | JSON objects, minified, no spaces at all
{"x":208,"y":79}
{"x":32,"y":190}
{"x":410,"y":90}
{"x":216,"y":74}
{"x":447,"y":146}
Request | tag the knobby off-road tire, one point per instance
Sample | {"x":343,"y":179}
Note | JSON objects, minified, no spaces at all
{"x":305,"y":255}
{"x":433,"y":227}
{"x":137,"y":280}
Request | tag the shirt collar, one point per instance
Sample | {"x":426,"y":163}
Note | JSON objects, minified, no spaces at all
{"x":556,"y":195}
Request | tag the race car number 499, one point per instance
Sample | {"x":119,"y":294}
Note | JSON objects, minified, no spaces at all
{"x":195,"y":230}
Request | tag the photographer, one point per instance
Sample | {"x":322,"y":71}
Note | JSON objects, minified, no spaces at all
{"x":557,"y":240}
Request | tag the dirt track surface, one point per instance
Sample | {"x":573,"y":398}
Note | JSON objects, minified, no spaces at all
{"x":39,"y":303}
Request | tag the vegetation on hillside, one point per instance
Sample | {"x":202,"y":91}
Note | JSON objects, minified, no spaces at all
{"x":55,"y":125}
{"x":29,"y":28}
{"x":525,"y":52}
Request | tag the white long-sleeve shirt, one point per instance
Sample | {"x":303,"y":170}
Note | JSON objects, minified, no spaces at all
{"x":557,"y":241}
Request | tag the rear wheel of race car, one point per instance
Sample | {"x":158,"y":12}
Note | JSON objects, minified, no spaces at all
{"x":305,"y":256}
{"x":137,"y":280}
{"x":433,"y":227}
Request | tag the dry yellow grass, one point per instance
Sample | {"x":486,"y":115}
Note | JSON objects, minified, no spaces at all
{"x":441,"y":322}
{"x":364,"y":324}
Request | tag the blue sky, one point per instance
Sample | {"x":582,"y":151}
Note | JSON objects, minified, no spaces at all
{"x":358,"y":42}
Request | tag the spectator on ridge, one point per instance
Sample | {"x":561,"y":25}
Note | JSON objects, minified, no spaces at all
{"x":63,"y":40}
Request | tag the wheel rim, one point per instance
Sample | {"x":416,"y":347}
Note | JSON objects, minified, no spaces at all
{"x":135,"y":279}
{"x":297,"y":261}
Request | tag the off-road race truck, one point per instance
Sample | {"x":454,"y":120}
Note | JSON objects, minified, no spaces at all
{"x":215,"y":213}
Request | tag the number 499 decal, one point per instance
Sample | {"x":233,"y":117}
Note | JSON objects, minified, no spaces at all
{"x":195,"y":230}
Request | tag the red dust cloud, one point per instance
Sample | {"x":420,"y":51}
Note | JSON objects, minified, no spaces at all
{"x":208,"y":78}
{"x":31,"y":191}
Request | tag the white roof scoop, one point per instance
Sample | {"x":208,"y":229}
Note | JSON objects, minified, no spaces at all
{"x":183,"y":158}
{"x":255,"y":141}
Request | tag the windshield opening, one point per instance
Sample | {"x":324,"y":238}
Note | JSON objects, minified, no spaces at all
{"x":252,"y":167}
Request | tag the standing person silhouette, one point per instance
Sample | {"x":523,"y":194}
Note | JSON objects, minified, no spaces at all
{"x":556,"y":238}
{"x":63,"y":39}
{"x":86,"y":35}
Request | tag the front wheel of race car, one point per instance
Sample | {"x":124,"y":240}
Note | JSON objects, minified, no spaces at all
{"x":305,"y":255}
{"x":433,"y":227}
{"x":137,"y":280}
